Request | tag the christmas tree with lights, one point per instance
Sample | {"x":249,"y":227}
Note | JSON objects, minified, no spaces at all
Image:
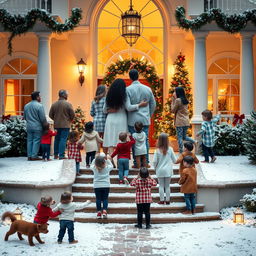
{"x":180,"y":78}
{"x":79,"y":121}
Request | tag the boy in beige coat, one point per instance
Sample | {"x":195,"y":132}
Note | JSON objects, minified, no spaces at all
{"x":188,"y":182}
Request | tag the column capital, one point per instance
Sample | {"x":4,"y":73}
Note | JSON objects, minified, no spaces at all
{"x":247,"y":35}
{"x":44,"y":35}
{"x":200,"y":35}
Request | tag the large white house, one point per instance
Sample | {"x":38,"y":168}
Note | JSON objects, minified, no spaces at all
{"x":220,"y":64}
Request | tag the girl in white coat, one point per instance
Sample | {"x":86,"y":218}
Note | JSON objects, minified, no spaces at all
{"x":164,"y":158}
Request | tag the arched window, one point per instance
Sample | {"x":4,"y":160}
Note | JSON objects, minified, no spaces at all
{"x":18,"y":80}
{"x":223,"y":86}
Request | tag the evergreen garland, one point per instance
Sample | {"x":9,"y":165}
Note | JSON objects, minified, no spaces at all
{"x":149,"y":73}
{"x":230,"y":23}
{"x":249,"y":137}
{"x":17,"y":24}
{"x":180,"y":78}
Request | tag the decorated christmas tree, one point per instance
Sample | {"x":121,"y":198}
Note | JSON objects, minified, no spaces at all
{"x":79,"y":121}
{"x":180,"y":78}
{"x":249,"y":137}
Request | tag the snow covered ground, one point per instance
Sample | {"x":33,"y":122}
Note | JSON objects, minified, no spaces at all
{"x":229,"y":168}
{"x":205,"y":238}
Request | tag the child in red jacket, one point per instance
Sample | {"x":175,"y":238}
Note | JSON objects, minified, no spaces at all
{"x":44,"y":211}
{"x":46,"y":142}
{"x":123,"y":152}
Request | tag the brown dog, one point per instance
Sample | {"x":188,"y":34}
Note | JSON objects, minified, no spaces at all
{"x":25,"y":228}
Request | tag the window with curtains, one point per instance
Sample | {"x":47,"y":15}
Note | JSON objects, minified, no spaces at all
{"x":18,"y":80}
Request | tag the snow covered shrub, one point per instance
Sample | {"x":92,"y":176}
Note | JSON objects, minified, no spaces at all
{"x":249,"y":137}
{"x":16,"y":127}
{"x":249,"y":201}
{"x":5,"y":138}
{"x":228,"y":140}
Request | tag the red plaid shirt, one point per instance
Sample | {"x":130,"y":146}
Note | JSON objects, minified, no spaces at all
{"x":143,"y":189}
{"x":74,"y":152}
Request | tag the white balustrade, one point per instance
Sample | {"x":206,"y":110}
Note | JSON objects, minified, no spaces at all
{"x":23,"y":6}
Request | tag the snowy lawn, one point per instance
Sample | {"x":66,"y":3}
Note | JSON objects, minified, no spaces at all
{"x":19,"y":169}
{"x":205,"y":238}
{"x":229,"y":168}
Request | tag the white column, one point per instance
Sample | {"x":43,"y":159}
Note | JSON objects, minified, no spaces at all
{"x":200,"y":84}
{"x":246,"y":74}
{"x":44,"y":79}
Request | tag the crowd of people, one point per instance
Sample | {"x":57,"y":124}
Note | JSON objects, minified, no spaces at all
{"x":121,"y":119}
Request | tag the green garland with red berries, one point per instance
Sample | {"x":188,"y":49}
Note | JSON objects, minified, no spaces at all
{"x":149,"y":73}
{"x":18,"y":25}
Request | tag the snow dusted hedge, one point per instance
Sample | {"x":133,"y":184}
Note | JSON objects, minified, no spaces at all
{"x":249,"y":201}
{"x":5,"y":138}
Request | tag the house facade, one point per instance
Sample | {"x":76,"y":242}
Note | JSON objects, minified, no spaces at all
{"x":221,"y":65}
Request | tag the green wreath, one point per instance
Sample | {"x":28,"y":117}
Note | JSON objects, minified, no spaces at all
{"x":149,"y":73}
{"x":230,"y":23}
{"x":17,"y":24}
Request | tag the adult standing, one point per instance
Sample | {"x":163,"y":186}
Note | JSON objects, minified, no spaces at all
{"x":136,"y":93}
{"x":35,"y":116}
{"x":62,"y":114}
{"x":179,"y":107}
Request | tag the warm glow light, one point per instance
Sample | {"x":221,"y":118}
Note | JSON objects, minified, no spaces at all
{"x":10,"y":103}
{"x":120,"y":57}
{"x":18,"y":213}
{"x":222,"y":90}
{"x":172,"y":70}
{"x":142,"y":58}
{"x":131,"y":28}
{"x":238,"y":216}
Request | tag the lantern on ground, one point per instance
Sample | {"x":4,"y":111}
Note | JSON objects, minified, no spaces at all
{"x":18,"y":214}
{"x":238,"y":216}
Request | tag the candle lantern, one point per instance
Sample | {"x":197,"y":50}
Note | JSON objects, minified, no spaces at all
{"x":238,"y":216}
{"x":18,"y":214}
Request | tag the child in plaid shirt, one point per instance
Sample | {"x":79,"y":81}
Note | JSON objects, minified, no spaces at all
{"x":74,"y":150}
{"x":143,"y":184}
{"x":207,"y":133}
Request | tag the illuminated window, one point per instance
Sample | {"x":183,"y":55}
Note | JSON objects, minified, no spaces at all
{"x":18,"y":77}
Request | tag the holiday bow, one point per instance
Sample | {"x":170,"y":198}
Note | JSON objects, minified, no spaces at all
{"x":238,"y":119}
{"x":5,"y":118}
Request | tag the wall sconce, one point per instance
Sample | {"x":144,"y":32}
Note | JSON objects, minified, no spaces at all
{"x":81,"y":68}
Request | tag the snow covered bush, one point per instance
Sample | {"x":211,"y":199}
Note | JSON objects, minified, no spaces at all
{"x":249,"y":137}
{"x":228,"y":140}
{"x":249,"y":201}
{"x":16,"y":127}
{"x":5,"y":138}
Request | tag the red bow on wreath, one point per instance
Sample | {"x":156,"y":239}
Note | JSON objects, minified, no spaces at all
{"x":238,"y":119}
{"x":5,"y":118}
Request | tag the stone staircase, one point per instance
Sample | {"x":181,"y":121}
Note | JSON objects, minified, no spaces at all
{"x":122,"y":207}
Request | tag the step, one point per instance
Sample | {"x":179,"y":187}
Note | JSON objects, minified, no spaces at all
{"x":130,"y":208}
{"x":155,"y":218}
{"x":116,"y":188}
{"x":132,"y":171}
{"x":114,"y":179}
{"x":128,"y":197}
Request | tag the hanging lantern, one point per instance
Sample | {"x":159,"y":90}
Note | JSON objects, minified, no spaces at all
{"x":18,"y":214}
{"x":238,"y":216}
{"x":131,"y":25}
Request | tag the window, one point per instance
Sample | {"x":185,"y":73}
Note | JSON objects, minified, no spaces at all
{"x":18,"y":82}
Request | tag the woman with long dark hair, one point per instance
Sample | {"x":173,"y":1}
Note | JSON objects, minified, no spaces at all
{"x":179,"y":107}
{"x":115,"y":107}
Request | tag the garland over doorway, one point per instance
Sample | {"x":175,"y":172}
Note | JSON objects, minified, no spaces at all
{"x":149,"y":73}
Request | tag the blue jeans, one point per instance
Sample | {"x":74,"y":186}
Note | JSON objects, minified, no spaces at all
{"x":66,"y":224}
{"x":190,"y":200}
{"x":60,"y":142}
{"x":33,"y":143}
{"x":46,"y":151}
{"x":101,"y":196}
{"x":77,"y":167}
{"x":131,"y":131}
{"x":182,"y":135}
{"x":207,"y":151}
{"x":123,"y":167}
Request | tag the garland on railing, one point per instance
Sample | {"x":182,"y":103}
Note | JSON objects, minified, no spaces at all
{"x":230,"y":23}
{"x":17,"y":24}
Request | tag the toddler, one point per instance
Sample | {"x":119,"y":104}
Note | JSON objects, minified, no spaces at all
{"x":188,"y":182}
{"x":67,"y":216}
{"x":44,"y":211}
{"x":91,"y":139}
{"x":207,"y":133}
{"x":101,"y":167}
{"x":46,"y":142}
{"x":164,"y":158}
{"x":123,"y":152}
{"x":74,"y":150}
{"x":140,"y":147}
{"x":188,"y":148}
{"x":143,"y":184}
